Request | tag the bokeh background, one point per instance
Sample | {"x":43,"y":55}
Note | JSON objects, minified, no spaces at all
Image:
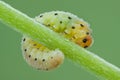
{"x":104,"y":17}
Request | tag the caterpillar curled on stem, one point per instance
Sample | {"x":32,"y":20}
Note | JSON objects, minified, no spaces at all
{"x":68,"y":26}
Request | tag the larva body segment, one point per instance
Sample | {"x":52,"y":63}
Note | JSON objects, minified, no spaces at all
{"x":68,"y":25}
{"x":64,"y":23}
{"x":39,"y":56}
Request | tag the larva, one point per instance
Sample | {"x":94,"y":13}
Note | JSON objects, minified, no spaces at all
{"x":64,"y":23}
{"x":40,"y":57}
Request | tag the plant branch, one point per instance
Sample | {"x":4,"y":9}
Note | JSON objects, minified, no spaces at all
{"x":27,"y":26}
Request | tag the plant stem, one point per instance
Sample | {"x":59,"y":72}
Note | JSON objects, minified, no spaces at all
{"x":27,"y":26}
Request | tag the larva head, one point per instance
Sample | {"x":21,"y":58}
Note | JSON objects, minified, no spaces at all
{"x":84,"y":41}
{"x":80,"y":33}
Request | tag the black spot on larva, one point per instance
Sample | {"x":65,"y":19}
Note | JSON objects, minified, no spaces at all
{"x":34,"y":44}
{"x":87,"y":33}
{"x":60,"y":22}
{"x":85,"y":46}
{"x":74,"y":37}
{"x":73,"y":27}
{"x":24,"y":39}
{"x":35,"y":59}
{"x":84,"y":40}
{"x":46,"y":69}
{"x":69,"y":17}
{"x":25,"y":50}
{"x":43,"y":60}
{"x":51,"y":57}
{"x":29,"y":56}
{"x":56,"y":14}
{"x":41,"y":16}
{"x":81,"y":25}
{"x":37,"y":48}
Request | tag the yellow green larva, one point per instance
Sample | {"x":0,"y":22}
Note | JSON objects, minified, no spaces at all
{"x":40,"y":57}
{"x":67,"y":25}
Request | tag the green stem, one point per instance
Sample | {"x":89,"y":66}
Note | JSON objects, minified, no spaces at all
{"x":27,"y":26}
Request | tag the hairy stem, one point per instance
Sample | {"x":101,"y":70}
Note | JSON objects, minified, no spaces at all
{"x":27,"y":26}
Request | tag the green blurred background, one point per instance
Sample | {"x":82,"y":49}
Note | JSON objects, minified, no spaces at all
{"x":104,"y":17}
